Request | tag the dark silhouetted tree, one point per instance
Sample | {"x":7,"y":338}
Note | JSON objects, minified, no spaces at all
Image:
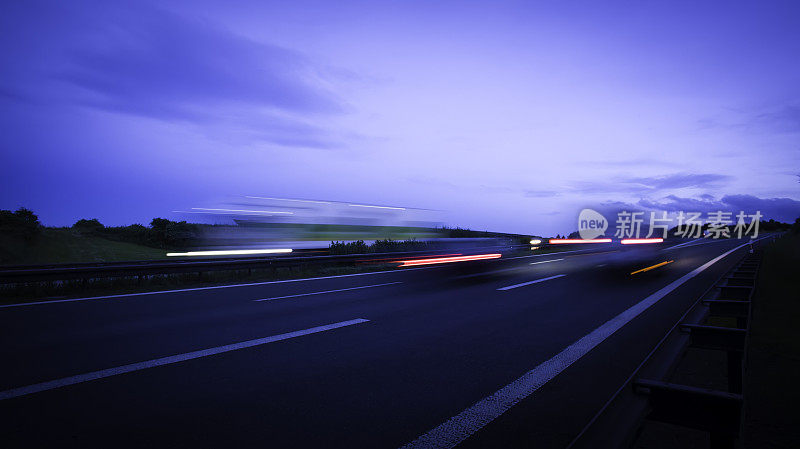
{"x":88,"y":227}
{"x":22,"y":223}
{"x":173,"y":234}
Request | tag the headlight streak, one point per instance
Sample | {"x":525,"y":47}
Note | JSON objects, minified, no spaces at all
{"x":270,"y":212}
{"x":232,"y":252}
{"x":286,"y":199}
{"x":377,"y":207}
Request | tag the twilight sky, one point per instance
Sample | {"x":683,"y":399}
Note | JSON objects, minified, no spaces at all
{"x":510,"y":116}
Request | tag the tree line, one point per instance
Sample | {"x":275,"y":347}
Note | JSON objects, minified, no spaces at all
{"x":24,"y":225}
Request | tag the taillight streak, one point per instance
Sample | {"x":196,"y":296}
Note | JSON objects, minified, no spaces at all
{"x":438,"y":260}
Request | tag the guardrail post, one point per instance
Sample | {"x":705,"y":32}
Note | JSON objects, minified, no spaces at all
{"x":735,"y":292}
{"x":716,"y":412}
{"x":735,"y":369}
{"x":725,"y":339}
{"x":722,"y":441}
{"x":713,"y":337}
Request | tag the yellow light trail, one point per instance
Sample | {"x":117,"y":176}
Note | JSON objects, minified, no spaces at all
{"x":652,"y":267}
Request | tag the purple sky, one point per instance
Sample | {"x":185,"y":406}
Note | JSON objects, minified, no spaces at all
{"x":510,"y":116}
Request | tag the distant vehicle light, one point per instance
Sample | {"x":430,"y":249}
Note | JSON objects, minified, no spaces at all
{"x":438,"y":260}
{"x":535,"y":241}
{"x":639,"y":241}
{"x":563,"y":241}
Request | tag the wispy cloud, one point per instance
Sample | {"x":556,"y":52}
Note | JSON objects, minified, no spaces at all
{"x":623,"y":163}
{"x":783,"y":118}
{"x":680,"y":180}
{"x":159,"y":64}
{"x":535,"y":193}
{"x":635,"y":185}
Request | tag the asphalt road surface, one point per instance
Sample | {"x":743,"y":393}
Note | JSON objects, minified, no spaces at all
{"x":522,"y":352}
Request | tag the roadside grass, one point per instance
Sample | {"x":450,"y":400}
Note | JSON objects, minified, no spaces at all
{"x":64,"y":245}
{"x":772,"y":372}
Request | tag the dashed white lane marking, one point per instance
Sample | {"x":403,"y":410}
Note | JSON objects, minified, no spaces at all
{"x":545,"y":261}
{"x":556,"y":253}
{"x":530,"y":282}
{"x":80,"y":378}
{"x":328,"y":291}
{"x":465,"y":424}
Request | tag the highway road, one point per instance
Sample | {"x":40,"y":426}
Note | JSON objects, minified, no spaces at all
{"x":521,"y":354}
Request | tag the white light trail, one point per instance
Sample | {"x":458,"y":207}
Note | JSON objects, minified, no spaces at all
{"x":377,"y":207}
{"x":232,"y":252}
{"x":244,"y":211}
{"x":287,"y":199}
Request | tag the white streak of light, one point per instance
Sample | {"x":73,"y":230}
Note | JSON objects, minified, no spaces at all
{"x":377,"y":207}
{"x":245,"y":211}
{"x":286,"y":199}
{"x":232,"y":252}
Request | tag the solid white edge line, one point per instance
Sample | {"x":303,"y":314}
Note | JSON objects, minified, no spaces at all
{"x":80,"y":378}
{"x":460,"y":427}
{"x":328,"y":291}
{"x":545,"y":261}
{"x":502,"y":289}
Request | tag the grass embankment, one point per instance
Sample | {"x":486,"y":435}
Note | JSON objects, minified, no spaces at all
{"x":772,"y":377}
{"x":64,"y":245}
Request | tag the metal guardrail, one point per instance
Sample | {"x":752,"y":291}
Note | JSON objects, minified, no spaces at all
{"x":17,"y":275}
{"x":647,"y":393}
